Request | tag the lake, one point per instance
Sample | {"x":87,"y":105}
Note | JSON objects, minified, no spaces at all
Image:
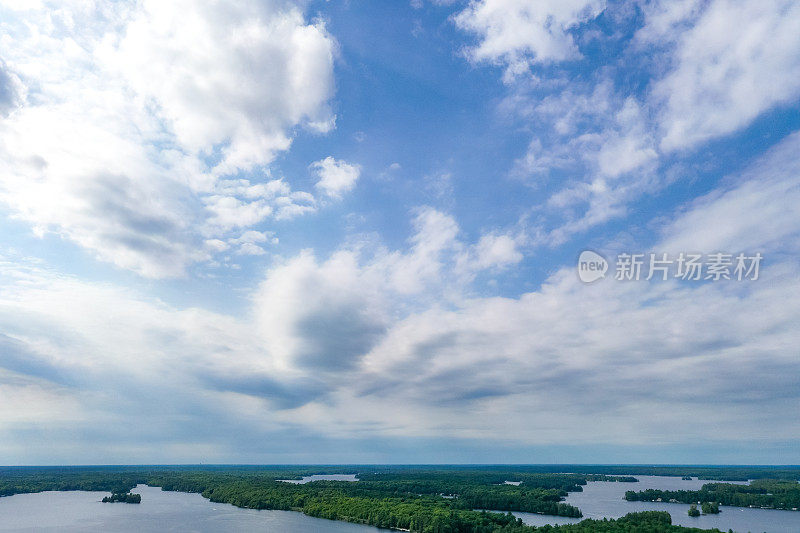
{"x":74,"y":511}
{"x":605,"y":499}
{"x":322,"y":477}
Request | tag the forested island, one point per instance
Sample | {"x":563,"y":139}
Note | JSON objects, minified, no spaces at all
{"x":418,"y":499}
{"x":763,"y":493}
{"x":123,"y":497}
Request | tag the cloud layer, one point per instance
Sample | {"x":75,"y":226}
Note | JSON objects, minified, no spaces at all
{"x":393,"y":341}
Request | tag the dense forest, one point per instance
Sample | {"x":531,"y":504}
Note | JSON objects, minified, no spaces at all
{"x":419,"y":499}
{"x":767,"y":493}
{"x":642,"y":522}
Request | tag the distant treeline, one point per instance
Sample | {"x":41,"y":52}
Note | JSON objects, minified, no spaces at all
{"x":19,"y":481}
{"x":721,"y":473}
{"x":642,"y":522}
{"x":768,"y":493}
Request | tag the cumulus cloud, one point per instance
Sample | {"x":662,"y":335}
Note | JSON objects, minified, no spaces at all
{"x":138,"y":115}
{"x":96,"y":188}
{"x":492,"y":251}
{"x":335,"y":176}
{"x":519,"y":33}
{"x":237,"y":74}
{"x":320,"y":316}
{"x":327,"y":315}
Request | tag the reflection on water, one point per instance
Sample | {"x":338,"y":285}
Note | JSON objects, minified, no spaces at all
{"x":74,"y":512}
{"x":605,"y":499}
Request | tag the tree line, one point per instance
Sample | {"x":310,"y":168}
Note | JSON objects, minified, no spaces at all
{"x":767,"y":493}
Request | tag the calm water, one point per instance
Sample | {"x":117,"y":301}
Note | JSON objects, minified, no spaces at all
{"x":72,"y":512}
{"x":322,"y":477}
{"x":605,"y":499}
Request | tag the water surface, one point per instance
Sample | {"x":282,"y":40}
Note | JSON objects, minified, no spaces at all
{"x":160,"y":511}
{"x":605,"y":499}
{"x":322,"y":477}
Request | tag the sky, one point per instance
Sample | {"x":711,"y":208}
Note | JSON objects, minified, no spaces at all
{"x":276,"y":231}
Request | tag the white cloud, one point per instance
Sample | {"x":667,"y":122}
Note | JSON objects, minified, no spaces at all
{"x":665,"y":21}
{"x":434,"y":239}
{"x":717,"y":85}
{"x":217,"y":245}
{"x":328,"y":314}
{"x":335,"y":176}
{"x":596,"y":152}
{"x":247,"y":242}
{"x":518,"y":33}
{"x":249,"y":248}
{"x":127,"y":117}
{"x":629,"y":145}
{"x":756,"y":213}
{"x":492,"y":251}
{"x":320,"y":316}
{"x":238,"y":74}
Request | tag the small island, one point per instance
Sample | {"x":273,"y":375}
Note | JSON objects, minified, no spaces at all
{"x":123,"y":497}
{"x":693,"y":511}
{"x":710,"y":508}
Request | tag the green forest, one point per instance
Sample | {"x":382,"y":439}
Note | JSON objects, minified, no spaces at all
{"x":418,"y":499}
{"x":765,"y":493}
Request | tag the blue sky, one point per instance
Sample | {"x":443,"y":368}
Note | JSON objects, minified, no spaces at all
{"x":279,"y":231}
